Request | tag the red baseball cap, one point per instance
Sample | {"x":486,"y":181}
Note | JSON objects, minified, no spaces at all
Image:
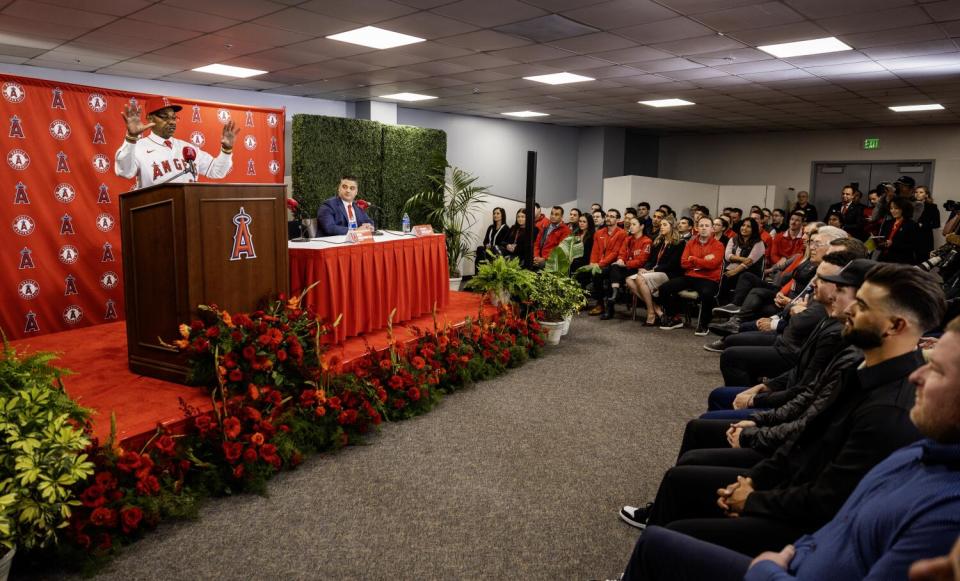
{"x":154,"y":104}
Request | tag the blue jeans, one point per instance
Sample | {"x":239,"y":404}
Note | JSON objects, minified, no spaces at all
{"x":722,"y":398}
{"x":664,"y":554}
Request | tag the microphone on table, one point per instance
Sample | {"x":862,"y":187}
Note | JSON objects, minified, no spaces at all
{"x":376,"y":231}
{"x":190,"y":157}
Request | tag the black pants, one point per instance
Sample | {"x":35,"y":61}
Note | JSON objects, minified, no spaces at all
{"x":748,"y":365}
{"x":757,"y":304}
{"x":746,"y":282}
{"x":601,"y":283}
{"x":664,"y":555}
{"x":705,"y":444}
{"x":687,"y":502}
{"x":707,"y":289}
{"x":618,"y":274}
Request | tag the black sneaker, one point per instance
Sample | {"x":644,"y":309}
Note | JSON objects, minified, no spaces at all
{"x":674,"y":323}
{"x":730,"y":309}
{"x":636,"y":516}
{"x":715,"y":347}
{"x":729,"y":327}
{"x":701,"y":331}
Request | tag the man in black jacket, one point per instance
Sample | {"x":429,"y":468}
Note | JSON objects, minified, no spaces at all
{"x":850,"y":212}
{"x":804,"y":483}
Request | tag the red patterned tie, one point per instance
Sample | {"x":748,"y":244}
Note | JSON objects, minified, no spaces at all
{"x":167,"y":143}
{"x":350,"y":212}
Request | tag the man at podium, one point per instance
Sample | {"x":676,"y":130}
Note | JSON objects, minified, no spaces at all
{"x":337,"y":215}
{"x":161,"y":158}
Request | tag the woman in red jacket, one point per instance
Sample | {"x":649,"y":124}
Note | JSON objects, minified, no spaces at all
{"x":633,"y":254}
{"x":663,"y":264}
{"x":702,"y":261}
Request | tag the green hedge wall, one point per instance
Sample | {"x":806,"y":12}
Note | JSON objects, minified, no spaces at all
{"x":393,"y":162}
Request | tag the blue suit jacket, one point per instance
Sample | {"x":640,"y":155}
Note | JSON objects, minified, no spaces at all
{"x":332,"y":217}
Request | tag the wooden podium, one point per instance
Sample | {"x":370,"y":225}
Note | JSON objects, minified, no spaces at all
{"x":190,"y":244}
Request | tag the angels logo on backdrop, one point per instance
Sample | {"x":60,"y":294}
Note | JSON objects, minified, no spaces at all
{"x":18,"y":159}
{"x":72,"y":314}
{"x":66,"y":225}
{"x":251,"y":168}
{"x":97,"y":102}
{"x":70,"y":286}
{"x":28,"y":289}
{"x":20,"y":196}
{"x":105,"y":222}
{"x":62,"y":165}
{"x":24,"y":225}
{"x":272,"y":119}
{"x":249,"y":119}
{"x":107,"y":253}
{"x":13,"y":92}
{"x":26,"y":259}
{"x":98,"y":137}
{"x":103,"y":196}
{"x":197,"y":138}
{"x":223,"y":116}
{"x":57,"y":102}
{"x":68,"y":254}
{"x":110,"y":311}
{"x":16,"y":129}
{"x":274,"y":166}
{"x":31,"y":326}
{"x":250,"y":142}
{"x":196,"y":114}
{"x":273,"y":145}
{"x":64,"y":193}
{"x":109,"y":280}
{"x":242,"y":237}
{"x":101,"y":163}
{"x":60,"y":129}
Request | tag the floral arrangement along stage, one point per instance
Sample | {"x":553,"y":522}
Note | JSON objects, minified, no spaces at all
{"x":275,"y":399}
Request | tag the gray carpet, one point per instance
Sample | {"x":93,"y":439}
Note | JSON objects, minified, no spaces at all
{"x":516,"y":478}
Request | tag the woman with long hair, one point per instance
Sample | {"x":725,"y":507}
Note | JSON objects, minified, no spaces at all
{"x":517,"y":239}
{"x":927,"y":221}
{"x":744,"y":253}
{"x":662,"y":265}
{"x":899,"y":237}
{"x":720,"y":226}
{"x":633,"y":254}
{"x":584,"y":232}
{"x":495,"y":240}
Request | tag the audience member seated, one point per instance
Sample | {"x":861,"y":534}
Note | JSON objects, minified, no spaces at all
{"x":778,"y":221}
{"x":495,"y":239}
{"x":834,"y":219}
{"x":643,"y":214}
{"x":720,"y":226}
{"x":663,"y":265}
{"x":927,"y":221}
{"x":702,"y":262}
{"x":634,"y":253}
{"x":803,"y":485}
{"x":743,"y":256}
{"x":787,"y":245}
{"x":899,"y":239}
{"x":573,"y":220}
{"x":517,"y":239}
{"x":549,"y":238}
{"x":540,"y":219}
{"x":584,"y":234}
{"x":598,"y":218}
{"x":685,"y":228}
{"x":606,"y":249}
{"x":902,"y":516}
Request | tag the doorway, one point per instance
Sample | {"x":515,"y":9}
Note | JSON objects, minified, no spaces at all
{"x":829,"y":178}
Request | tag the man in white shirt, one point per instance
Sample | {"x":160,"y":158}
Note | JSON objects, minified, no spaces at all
{"x":158,"y":157}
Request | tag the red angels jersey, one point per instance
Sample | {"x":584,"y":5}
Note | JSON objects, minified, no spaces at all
{"x":152,"y":161}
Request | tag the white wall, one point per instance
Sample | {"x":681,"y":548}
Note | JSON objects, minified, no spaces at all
{"x":495,"y":150}
{"x":621,"y":192}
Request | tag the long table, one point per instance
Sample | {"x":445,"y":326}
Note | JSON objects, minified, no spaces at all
{"x":365,"y":282}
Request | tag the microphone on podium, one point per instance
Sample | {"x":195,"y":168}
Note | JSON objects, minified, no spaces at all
{"x":190,"y":156}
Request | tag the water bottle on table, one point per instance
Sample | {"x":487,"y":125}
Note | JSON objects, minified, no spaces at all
{"x":406,"y":223}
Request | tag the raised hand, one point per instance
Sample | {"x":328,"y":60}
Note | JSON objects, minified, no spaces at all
{"x":131,"y":117}
{"x":230,"y":132}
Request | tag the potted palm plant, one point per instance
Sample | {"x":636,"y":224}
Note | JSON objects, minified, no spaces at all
{"x":503,"y":280}
{"x":451,"y":206}
{"x":558,"y":296}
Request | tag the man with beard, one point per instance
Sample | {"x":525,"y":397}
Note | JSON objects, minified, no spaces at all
{"x":804,"y":483}
{"x":906,"y":508}
{"x":158,"y":157}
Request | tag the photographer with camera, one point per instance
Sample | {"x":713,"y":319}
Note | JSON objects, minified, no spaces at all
{"x":954,"y":220}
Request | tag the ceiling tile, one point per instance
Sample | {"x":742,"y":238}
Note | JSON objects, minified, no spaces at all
{"x":427,"y":25}
{"x":614,"y":72}
{"x":934,"y":60}
{"x":774,"y":76}
{"x":126,"y":27}
{"x":674,"y":64}
{"x":114,"y":7}
{"x":488,"y":13}
{"x":833,"y":58}
{"x":592,"y":43}
{"x":265,"y":35}
{"x":482,"y":61}
{"x":777,"y":34}
{"x":919,"y":33}
{"x":690,"y":74}
{"x":729,"y":57}
{"x":547,"y":28}
{"x":386,"y":58}
{"x":237,"y":9}
{"x":756,"y":67}
{"x":847,"y":69}
{"x":912,"y":49}
{"x":480,"y":76}
{"x":532,"y":53}
{"x":664,"y":31}
{"x":871,"y":21}
{"x":815,"y":9}
{"x":758,"y":15}
{"x":632,"y":55}
{"x":700,"y":45}
{"x":484,"y":40}
{"x":56,"y":14}
{"x":325,"y":48}
{"x":619,"y":13}
{"x":361,"y":11}
{"x":431,"y":50}
{"x":942,"y":11}
{"x":439,"y":68}
{"x":575,"y":63}
{"x":184,"y":18}
{"x":306,"y":22}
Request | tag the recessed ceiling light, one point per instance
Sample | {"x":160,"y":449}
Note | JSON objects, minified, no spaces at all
{"x":375,"y":37}
{"x":906,"y":108}
{"x":805,"y":47}
{"x":559,"y":78}
{"x":408,"y":97}
{"x":229,"y":71}
{"x":666,"y":103}
{"x":526,"y":114}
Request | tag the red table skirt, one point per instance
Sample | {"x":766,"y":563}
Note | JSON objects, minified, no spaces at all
{"x":364,"y":282}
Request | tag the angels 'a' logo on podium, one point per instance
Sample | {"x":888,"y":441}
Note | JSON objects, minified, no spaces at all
{"x":60,"y":129}
{"x":64,"y":193}
{"x":18,"y":159}
{"x":97,"y":102}
{"x":242,"y":237}
{"x":101,"y":163}
{"x":105,"y":222}
{"x":72,"y":314}
{"x":109,"y":280}
{"x":13,"y":92}
{"x":68,"y":254}
{"x":28,"y":289}
{"x":24,"y":225}
{"x":250,"y":142}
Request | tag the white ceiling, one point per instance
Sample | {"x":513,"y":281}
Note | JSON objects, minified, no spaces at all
{"x":478,"y":51}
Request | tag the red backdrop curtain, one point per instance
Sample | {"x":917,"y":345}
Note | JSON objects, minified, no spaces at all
{"x":60,"y":233}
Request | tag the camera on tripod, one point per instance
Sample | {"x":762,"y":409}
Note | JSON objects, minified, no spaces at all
{"x":951,"y":206}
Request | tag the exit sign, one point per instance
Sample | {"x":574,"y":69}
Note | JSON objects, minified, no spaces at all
{"x":871,"y":143}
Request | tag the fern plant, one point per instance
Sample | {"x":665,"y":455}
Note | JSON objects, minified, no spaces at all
{"x":452,"y":207}
{"x":503,"y":276}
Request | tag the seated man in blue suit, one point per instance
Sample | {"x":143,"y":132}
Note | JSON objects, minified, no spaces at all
{"x":337,"y":214}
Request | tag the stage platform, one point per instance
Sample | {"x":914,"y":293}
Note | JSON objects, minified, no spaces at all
{"x":101,"y":381}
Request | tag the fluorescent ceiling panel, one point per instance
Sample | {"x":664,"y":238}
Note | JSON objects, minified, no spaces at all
{"x":666,"y":103}
{"x":526,"y":114}
{"x":408,"y":97}
{"x":559,"y":78}
{"x":908,"y":108}
{"x":805,"y":47}
{"x":375,"y":37}
{"x":229,"y":71}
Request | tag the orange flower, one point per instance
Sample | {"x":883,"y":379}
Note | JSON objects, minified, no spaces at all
{"x":293,"y":303}
{"x":184,"y":330}
{"x":253,"y":392}
{"x":227,"y":320}
{"x":182,"y":343}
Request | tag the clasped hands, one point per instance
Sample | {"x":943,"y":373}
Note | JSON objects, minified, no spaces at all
{"x":733,"y":498}
{"x":733,"y":433}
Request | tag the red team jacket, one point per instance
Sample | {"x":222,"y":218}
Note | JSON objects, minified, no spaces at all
{"x":606,"y":246}
{"x":784,"y":246}
{"x":694,"y":264}
{"x":553,"y":240}
{"x":635,"y":251}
